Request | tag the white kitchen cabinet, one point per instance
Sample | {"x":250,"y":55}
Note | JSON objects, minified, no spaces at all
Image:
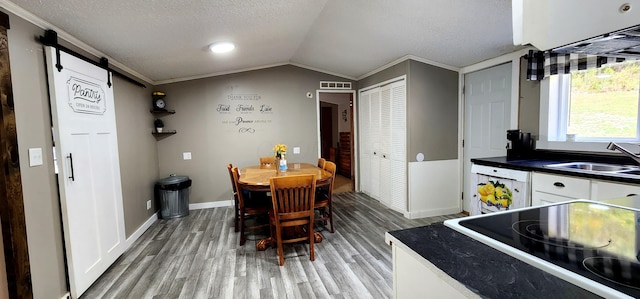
{"x":549,"y":188}
{"x":548,"y":24}
{"x":382,"y":125}
{"x":601,"y":190}
{"x":416,"y":277}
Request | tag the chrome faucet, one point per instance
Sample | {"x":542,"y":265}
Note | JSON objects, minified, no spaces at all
{"x":613,"y":146}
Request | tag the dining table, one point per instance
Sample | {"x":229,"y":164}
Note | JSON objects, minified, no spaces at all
{"x":257,"y":178}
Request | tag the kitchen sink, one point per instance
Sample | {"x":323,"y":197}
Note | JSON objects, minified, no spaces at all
{"x":632,"y":172}
{"x":597,"y":167}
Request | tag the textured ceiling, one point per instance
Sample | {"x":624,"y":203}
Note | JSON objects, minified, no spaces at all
{"x":167,"y":40}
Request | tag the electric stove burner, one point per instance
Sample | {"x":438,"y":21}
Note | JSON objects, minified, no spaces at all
{"x":623,"y":272}
{"x":533,"y":230}
{"x":598,"y":243}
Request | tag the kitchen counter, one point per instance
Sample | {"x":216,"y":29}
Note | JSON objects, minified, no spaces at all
{"x":538,"y":164}
{"x":478,"y":270}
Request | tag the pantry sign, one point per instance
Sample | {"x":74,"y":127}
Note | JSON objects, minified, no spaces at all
{"x":85,"y":96}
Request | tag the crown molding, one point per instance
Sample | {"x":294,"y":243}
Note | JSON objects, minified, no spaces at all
{"x":409,"y":57}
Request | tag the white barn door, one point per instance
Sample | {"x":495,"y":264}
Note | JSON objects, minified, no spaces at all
{"x":89,"y":172}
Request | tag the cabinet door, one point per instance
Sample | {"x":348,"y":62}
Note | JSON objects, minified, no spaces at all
{"x":398,"y":145}
{"x":546,"y":24}
{"x":364,"y":148}
{"x":602,"y":190}
{"x":374,"y":130}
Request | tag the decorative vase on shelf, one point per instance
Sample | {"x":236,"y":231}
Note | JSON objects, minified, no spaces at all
{"x":159,"y":130}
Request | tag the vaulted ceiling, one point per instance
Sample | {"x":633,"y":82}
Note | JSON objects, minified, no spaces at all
{"x":167,"y":40}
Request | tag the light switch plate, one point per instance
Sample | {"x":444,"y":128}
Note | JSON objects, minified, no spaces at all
{"x":186,"y":156}
{"x":35,"y":156}
{"x":296,"y":149}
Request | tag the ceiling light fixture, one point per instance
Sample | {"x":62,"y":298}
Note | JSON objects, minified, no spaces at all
{"x":222,"y":47}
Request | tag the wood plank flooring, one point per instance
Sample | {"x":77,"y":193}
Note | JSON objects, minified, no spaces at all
{"x":199,"y":257}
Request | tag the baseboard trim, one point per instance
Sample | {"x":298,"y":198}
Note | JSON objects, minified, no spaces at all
{"x":211,"y":204}
{"x":431,"y":213}
{"x":143,"y":228}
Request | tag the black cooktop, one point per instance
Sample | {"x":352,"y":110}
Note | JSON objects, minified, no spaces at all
{"x":597,"y":241}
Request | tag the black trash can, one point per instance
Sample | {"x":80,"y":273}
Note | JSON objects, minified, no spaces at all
{"x":173,"y":194}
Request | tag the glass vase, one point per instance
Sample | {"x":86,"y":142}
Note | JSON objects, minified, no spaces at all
{"x":283,"y":164}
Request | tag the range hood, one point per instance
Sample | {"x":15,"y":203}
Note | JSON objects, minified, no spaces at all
{"x":623,"y":43}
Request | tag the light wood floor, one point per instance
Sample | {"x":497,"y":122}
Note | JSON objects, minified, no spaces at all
{"x":199,"y":257}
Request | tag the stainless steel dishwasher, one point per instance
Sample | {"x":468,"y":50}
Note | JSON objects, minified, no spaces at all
{"x":498,"y":189}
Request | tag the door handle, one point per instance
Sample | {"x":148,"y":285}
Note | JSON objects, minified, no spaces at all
{"x":70,"y":157}
{"x":558,"y":184}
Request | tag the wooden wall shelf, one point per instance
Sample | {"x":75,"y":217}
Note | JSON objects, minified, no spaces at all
{"x":167,"y":133}
{"x":163,"y":111}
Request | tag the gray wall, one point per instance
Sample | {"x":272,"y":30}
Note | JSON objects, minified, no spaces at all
{"x":42,"y":213}
{"x":138,"y":157}
{"x":214,"y":139}
{"x":389,"y":73}
{"x":432,"y":112}
{"x":432,"y":108}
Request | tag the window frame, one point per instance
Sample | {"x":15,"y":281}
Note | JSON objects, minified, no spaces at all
{"x":554,"y":117}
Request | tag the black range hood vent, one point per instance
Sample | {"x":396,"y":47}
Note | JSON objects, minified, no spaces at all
{"x":624,"y":43}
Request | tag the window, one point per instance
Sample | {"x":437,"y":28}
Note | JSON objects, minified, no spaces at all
{"x":598,"y":104}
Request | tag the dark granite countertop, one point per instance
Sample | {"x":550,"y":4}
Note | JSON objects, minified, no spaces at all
{"x":538,"y":163}
{"x":482,"y":269}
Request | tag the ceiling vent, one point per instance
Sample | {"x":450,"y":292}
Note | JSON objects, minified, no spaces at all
{"x":334,"y":85}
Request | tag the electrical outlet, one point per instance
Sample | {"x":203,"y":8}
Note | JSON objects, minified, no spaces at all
{"x":148,"y":204}
{"x":186,"y":156}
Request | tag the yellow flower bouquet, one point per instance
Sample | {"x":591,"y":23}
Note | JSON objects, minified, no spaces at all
{"x":280,"y":150}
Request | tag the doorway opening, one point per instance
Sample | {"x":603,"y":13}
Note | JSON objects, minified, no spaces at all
{"x":336,"y":133}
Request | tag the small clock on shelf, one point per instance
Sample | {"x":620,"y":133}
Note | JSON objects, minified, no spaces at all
{"x":157,"y":102}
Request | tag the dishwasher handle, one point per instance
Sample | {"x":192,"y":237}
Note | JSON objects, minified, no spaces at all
{"x":559,"y":184}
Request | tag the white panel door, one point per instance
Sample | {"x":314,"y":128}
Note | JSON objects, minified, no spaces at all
{"x":487,"y":114}
{"x":83,"y":114}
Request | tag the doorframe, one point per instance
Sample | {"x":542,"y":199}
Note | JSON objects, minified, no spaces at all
{"x":352,"y":125}
{"x":514,"y":58}
{"x":12,"y":214}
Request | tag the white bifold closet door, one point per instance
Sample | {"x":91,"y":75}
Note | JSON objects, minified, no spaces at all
{"x":83,"y":113}
{"x":383,"y":162}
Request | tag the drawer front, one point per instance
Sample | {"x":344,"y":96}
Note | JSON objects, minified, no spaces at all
{"x":607,"y":190}
{"x":561,"y":185}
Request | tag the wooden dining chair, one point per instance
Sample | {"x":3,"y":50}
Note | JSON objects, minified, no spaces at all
{"x":324,"y":198}
{"x":248,"y":208}
{"x":236,"y":210}
{"x":293,"y":201}
{"x":321,"y":162}
{"x":267,"y":161}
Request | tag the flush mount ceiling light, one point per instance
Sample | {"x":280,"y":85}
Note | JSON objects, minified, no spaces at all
{"x":222,"y":47}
